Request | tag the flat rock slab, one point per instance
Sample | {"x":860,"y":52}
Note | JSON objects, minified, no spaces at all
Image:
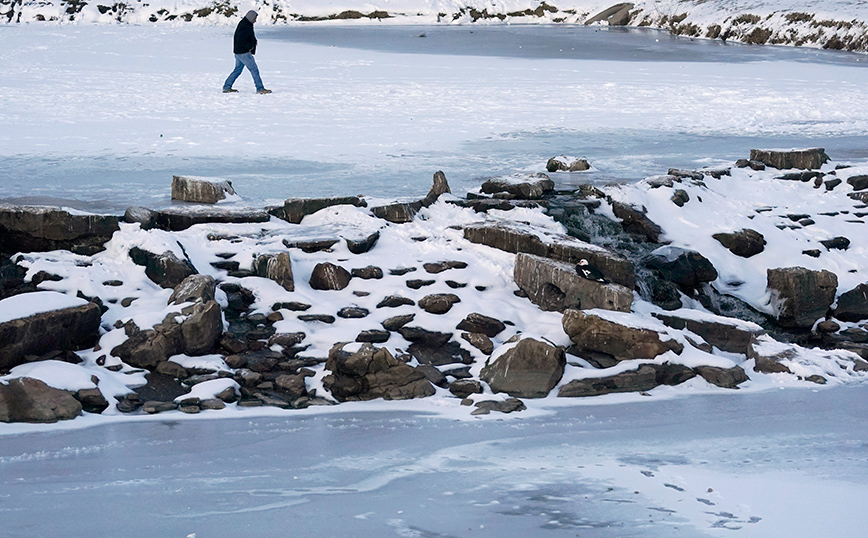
{"x":517,"y":238}
{"x":811,"y":158}
{"x":295,"y":209}
{"x":65,"y":329}
{"x":40,"y":229}
{"x":180,"y":218}
{"x":726,"y":334}
{"x":557,"y":286}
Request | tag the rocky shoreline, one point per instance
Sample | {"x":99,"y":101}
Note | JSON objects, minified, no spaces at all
{"x":518,"y":291}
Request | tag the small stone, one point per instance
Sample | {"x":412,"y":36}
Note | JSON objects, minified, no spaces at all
{"x":394,"y":301}
{"x":438,"y":303}
{"x":292,"y":306}
{"x":353,"y":312}
{"x":324,"y":318}
{"x":212,"y":404}
{"x":395,"y":323}
{"x":418,"y":283}
{"x":373,"y":336}
{"x":368,"y":273}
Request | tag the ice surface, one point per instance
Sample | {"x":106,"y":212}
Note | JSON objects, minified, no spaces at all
{"x":86,"y":126}
{"x":785,"y":463}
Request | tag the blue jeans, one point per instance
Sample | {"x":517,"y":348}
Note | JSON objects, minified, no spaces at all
{"x":242,"y":61}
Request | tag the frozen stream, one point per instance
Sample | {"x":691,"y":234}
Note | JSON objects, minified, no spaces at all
{"x":100,"y":117}
{"x":783,"y":463}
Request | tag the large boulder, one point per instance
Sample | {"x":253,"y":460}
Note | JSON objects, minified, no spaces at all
{"x":517,"y":238}
{"x":200,"y":190}
{"x":166,"y":270}
{"x":726,"y":334}
{"x":853,"y":304}
{"x":686,"y":268}
{"x":800,"y":296}
{"x":593,"y":334}
{"x":743,"y":243}
{"x":39,"y":229}
{"x":557,"y":286}
{"x":295,"y":209}
{"x":812,"y":158}
{"x":196,"y":334}
{"x":31,"y":400}
{"x":276,"y":267}
{"x":371,"y":373}
{"x":529,"y":369}
{"x":72,"y":327}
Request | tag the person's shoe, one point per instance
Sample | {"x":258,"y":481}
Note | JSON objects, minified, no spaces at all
{"x":264,"y":91}
{"x":230,"y":90}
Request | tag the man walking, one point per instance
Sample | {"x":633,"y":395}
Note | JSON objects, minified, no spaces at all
{"x":245,"y":48}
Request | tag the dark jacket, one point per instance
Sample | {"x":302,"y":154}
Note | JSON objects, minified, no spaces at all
{"x":245,"y":40}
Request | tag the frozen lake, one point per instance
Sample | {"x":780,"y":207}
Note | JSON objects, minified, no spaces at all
{"x":783,"y":463}
{"x":377,"y":109}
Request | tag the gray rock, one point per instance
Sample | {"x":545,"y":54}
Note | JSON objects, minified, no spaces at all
{"x":398,"y":213}
{"x":40,"y":229}
{"x":642,"y":379}
{"x":418,"y":283}
{"x":276,"y":267}
{"x":531,"y":188}
{"x":812,"y":158}
{"x":172,"y":369}
{"x":194,"y":289}
{"x":440,"y":186}
{"x":286,"y":339}
{"x":728,"y":378}
{"x":310,"y":246}
{"x":92,"y":400}
{"x":744,"y":243}
{"x":799,"y":296}
{"x":175,"y":219}
{"x":636,"y":222}
{"x":372,"y":373}
{"x":152,"y":407}
{"x":395,"y":301}
{"x":202,"y":328}
{"x":439,"y":267}
{"x":617,"y":15}
{"x":353,"y":312}
{"x":479,"y":323}
{"x":363,"y":245}
{"x":212,"y":404}
{"x":556,"y":286}
{"x":65,"y":330}
{"x":853,"y":304}
{"x":562,"y":163}
{"x":395,"y":323}
{"x":295,"y":209}
{"x":519,"y":239}
{"x":200,"y":190}
{"x":328,"y":276}
{"x":373,"y":336}
{"x":859,"y":183}
{"x":593,"y":334}
{"x":31,"y":400}
{"x":530,"y":369}
{"x":144,"y":216}
{"x":462,"y":388}
{"x":165,"y":270}
{"x":433,"y":374}
{"x":438,"y":303}
{"x":510,"y":405}
{"x":292,"y":384}
{"x":838,"y":243}
{"x":368,"y":273}
{"x":479,"y":341}
{"x":680,"y":197}
{"x":733,"y":336}
{"x":686,"y":268}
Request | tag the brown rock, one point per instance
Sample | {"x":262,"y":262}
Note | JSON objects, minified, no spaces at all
{"x":596,"y":335}
{"x":801,"y":296}
{"x":31,"y":400}
{"x":530,"y":369}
